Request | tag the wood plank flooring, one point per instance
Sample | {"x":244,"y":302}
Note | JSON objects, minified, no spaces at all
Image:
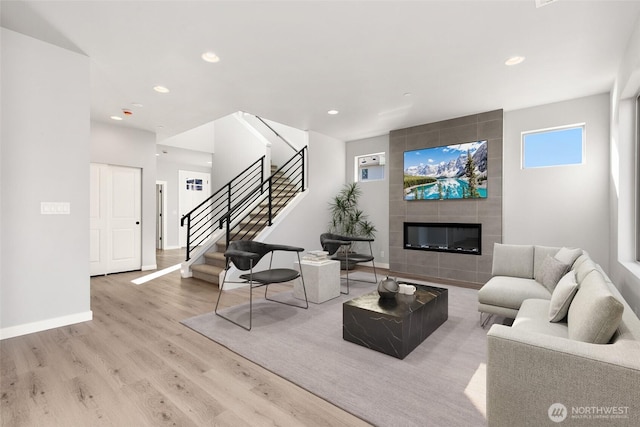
{"x":134,"y":364}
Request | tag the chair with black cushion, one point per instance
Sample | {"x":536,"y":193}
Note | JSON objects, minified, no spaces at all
{"x":245,"y":255}
{"x":332,"y":243}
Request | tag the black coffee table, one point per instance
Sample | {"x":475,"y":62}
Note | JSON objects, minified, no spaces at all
{"x":395,"y":326}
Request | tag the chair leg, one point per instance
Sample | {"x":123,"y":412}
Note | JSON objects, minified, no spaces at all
{"x":484,"y":323}
{"x":250,"y":301}
{"x":266,"y":288}
{"x":373,"y":262}
{"x":347,"y":266}
{"x":304,"y":288}
{"x":375,"y":273}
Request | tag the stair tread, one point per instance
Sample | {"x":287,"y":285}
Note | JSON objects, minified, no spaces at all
{"x":214,"y":255}
{"x":207,"y":269}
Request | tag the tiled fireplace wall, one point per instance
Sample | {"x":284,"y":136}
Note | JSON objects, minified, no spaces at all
{"x":488,"y":212}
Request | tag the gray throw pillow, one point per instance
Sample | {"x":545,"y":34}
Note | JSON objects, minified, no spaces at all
{"x":562,"y":296}
{"x":568,"y":255}
{"x":551,"y":271}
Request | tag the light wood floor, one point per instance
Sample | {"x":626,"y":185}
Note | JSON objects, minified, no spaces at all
{"x":134,"y":364}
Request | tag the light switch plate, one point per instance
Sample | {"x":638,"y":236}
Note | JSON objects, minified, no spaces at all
{"x":55,"y":208}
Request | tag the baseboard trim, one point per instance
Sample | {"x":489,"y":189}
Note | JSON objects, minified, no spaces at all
{"x":443,"y":281}
{"x":149,"y":267}
{"x":43,"y":325}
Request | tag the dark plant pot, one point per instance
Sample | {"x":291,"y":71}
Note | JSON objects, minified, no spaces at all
{"x":345,"y":266}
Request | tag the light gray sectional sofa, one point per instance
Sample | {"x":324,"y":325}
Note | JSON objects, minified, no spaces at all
{"x":572,"y":355}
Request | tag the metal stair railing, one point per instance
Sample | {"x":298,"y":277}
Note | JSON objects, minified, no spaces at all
{"x":201,"y":221}
{"x":282,"y":186}
{"x":275,"y":132}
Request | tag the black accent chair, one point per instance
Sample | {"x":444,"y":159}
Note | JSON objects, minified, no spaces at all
{"x":332,"y":242}
{"x":245,"y":255}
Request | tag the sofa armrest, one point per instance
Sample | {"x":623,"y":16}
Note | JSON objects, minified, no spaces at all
{"x":527,"y":372}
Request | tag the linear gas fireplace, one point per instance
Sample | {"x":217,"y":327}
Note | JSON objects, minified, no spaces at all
{"x":443,"y":237}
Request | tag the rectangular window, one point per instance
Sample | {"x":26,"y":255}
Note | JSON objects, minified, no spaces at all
{"x":369,"y":167}
{"x":194,"y":184}
{"x":553,"y":147}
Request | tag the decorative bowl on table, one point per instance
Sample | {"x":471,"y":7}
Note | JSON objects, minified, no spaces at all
{"x":388,"y":288}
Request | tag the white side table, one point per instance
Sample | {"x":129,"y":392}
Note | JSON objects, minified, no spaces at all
{"x":321,"y":279}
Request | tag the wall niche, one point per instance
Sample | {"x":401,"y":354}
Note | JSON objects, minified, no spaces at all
{"x":454,"y":267}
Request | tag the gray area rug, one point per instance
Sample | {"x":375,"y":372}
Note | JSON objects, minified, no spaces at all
{"x":441,"y":383}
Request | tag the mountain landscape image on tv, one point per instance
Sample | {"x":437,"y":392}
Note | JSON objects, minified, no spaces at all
{"x":457,"y":171}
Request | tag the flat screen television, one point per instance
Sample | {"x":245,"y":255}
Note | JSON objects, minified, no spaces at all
{"x":456,"y":171}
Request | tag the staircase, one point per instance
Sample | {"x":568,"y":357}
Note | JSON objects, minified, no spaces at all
{"x":214,"y":260}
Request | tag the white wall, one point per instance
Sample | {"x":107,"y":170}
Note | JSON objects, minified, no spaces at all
{"x":281,"y":151}
{"x":167,"y":168}
{"x":118,"y":145}
{"x":45,"y":158}
{"x":236,"y":148}
{"x":303,"y":226}
{"x":625,"y":270}
{"x":375,"y":194}
{"x":201,"y":138}
{"x":566,"y":205}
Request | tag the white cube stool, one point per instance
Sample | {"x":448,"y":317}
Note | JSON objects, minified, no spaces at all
{"x":321,"y":279}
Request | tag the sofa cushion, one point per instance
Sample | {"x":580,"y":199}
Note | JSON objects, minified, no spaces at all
{"x":568,"y":255}
{"x":551,"y":272}
{"x":594,"y":313}
{"x":512,"y":260}
{"x":562,"y":296}
{"x":539,"y":255}
{"x":581,"y":259}
{"x":533,"y":317}
{"x":509,"y":292}
{"x":586,"y":267}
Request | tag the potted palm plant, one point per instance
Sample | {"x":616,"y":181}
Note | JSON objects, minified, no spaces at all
{"x":347,"y":218}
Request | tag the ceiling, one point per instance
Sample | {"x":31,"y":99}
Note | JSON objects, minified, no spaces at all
{"x":383,"y":65}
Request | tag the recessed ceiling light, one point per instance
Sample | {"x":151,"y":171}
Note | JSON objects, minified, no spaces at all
{"x":514,"y":60}
{"x":210,"y":57}
{"x":161,"y":89}
{"x":116,"y":118}
{"x":333,"y":112}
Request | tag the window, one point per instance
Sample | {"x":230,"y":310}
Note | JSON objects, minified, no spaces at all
{"x":553,"y":147}
{"x":194,"y":184}
{"x":369,"y":167}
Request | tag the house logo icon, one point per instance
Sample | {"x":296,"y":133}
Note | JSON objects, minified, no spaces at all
{"x":557,"y":412}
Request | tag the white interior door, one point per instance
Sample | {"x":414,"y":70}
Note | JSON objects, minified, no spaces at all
{"x":116,"y":241}
{"x":124,"y":219}
{"x":194,"y":189}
